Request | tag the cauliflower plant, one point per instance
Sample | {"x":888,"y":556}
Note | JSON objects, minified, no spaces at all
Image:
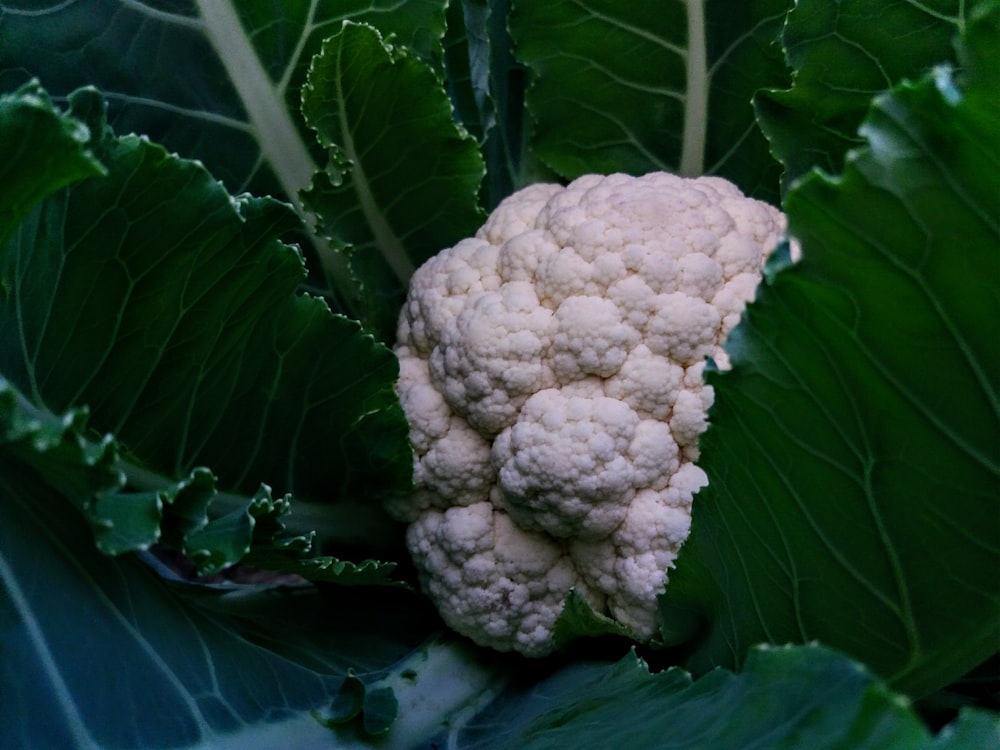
{"x":551,"y":372}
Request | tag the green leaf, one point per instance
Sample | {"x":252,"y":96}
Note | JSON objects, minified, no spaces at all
{"x":377,"y":707}
{"x":99,"y":652}
{"x":168,"y":308}
{"x":467,"y":53}
{"x":151,"y":673}
{"x":579,"y":620}
{"x":43,"y":151}
{"x":163,"y":665}
{"x":125,"y":517}
{"x":487,"y":85}
{"x":643,"y":86}
{"x":843,"y":54}
{"x":852,"y":451}
{"x":55,"y":445}
{"x":89,"y":474}
{"x":974,"y":729}
{"x":789,"y":697}
{"x":231,"y":98}
{"x":403,"y":178}
{"x":213,"y":80}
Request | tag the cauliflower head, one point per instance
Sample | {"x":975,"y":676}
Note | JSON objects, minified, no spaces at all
{"x":551,"y":372}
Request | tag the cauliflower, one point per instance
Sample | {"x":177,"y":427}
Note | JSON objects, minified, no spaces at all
{"x":551,"y":372}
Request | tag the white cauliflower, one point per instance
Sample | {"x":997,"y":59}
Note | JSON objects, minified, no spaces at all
{"x":551,"y":371}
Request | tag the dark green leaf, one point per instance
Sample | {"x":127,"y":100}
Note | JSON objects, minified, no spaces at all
{"x":843,"y":54}
{"x":377,"y":707}
{"x":643,"y":86}
{"x":43,"y":151}
{"x":168,"y":308}
{"x":347,"y":702}
{"x":488,"y":84}
{"x":231,"y":98}
{"x":579,"y":620}
{"x":215,"y":81}
{"x":467,"y":53}
{"x":123,"y":517}
{"x":785,"y":698}
{"x":403,"y":180}
{"x":974,"y":730}
{"x":852,"y":453}
{"x":99,"y":652}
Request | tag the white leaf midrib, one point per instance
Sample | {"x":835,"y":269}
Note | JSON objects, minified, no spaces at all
{"x":386,"y":239}
{"x":280,"y":140}
{"x":697,"y":80}
{"x":281,"y":143}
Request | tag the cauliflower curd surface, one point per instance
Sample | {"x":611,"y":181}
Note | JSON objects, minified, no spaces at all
{"x":551,"y":372}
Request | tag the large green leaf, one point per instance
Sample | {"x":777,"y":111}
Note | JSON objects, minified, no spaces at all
{"x":468,"y":51}
{"x":130,"y":509}
{"x":651,"y":85}
{"x":215,"y":80}
{"x":97,"y":654}
{"x":100,"y":652}
{"x":854,"y":473}
{"x":43,"y":151}
{"x":165,"y":307}
{"x":844,"y":53}
{"x":487,"y":86}
{"x":794,"y":698}
{"x":403,"y":180}
{"x":168,"y":308}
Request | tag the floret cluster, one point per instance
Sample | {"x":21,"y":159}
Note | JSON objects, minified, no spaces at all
{"x":552,"y":374}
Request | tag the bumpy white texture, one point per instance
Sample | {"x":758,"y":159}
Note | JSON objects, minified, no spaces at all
{"x":552,"y":373}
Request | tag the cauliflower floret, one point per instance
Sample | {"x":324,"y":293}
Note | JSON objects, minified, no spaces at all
{"x":517,"y":213}
{"x":563,"y":467}
{"x":479,"y":566}
{"x":490,"y":357}
{"x":590,"y":338}
{"x":440,"y":289}
{"x":683,"y":328}
{"x":630,"y":567}
{"x":427,"y":412}
{"x":551,"y":369}
{"x":647,"y":382}
{"x":571,"y":463}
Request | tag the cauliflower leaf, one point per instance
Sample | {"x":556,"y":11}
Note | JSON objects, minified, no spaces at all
{"x":852,"y":449}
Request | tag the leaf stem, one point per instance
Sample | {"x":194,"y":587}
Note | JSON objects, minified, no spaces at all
{"x":440,"y":687}
{"x":386,"y":239}
{"x":281,"y":141}
{"x":692,"y":162}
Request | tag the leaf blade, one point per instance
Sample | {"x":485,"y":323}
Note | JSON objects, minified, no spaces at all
{"x":169,"y":308}
{"x":787,"y":697}
{"x":650,"y":86}
{"x":43,"y":151}
{"x":864,"y":395}
{"x":843,"y":55}
{"x":404,"y":179}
